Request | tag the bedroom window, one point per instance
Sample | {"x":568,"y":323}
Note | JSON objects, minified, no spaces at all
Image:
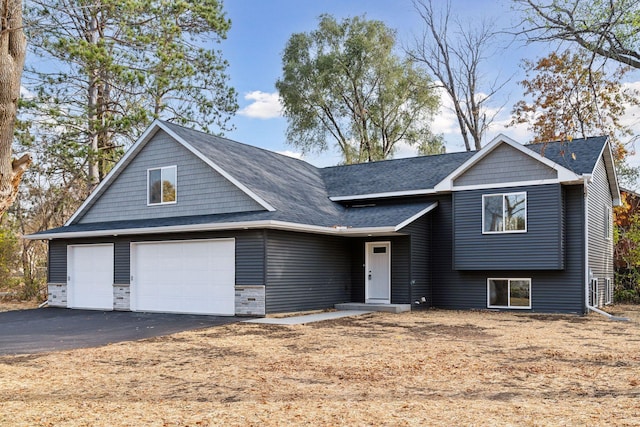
{"x":509,"y":293}
{"x":504,"y":213}
{"x":162,"y":185}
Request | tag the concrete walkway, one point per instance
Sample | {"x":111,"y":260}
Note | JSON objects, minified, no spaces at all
{"x":308,"y":318}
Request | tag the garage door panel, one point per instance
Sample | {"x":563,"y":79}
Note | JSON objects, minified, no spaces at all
{"x":184,"y":277}
{"x":90,"y":276}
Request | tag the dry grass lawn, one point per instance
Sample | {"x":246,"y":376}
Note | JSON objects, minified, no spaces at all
{"x":422,"y":368}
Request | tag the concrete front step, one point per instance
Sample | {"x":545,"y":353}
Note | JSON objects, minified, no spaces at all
{"x":391,"y":308}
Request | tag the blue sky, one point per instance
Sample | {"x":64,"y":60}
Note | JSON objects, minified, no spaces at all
{"x":260,"y":30}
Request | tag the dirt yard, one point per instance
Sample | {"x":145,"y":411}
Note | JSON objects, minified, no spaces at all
{"x":425,"y":368}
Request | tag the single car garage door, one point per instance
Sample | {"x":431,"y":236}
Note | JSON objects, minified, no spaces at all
{"x":196,"y":276}
{"x":90,"y":276}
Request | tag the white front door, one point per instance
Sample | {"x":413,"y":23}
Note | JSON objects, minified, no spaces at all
{"x":377,"y":272}
{"x":90,"y":276}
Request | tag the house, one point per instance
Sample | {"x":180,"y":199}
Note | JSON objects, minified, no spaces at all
{"x":192,"y":223}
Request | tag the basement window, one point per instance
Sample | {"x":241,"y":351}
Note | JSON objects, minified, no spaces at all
{"x":509,"y":293}
{"x":162,"y":185}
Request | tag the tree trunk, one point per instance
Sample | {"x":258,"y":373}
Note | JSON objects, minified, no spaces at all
{"x":12,"y":53}
{"x":92,"y":106}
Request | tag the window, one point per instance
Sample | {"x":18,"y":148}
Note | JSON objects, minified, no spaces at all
{"x":162,"y":185}
{"x":608,"y":222}
{"x":593,"y":292}
{"x":504,"y":213}
{"x":608,"y":292}
{"x":509,"y":293}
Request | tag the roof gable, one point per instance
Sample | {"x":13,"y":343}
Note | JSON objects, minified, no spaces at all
{"x":505,"y":164}
{"x":135,"y":150}
{"x":563,"y":174}
{"x":200,"y":190}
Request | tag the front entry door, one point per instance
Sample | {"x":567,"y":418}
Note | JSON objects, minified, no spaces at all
{"x":377,"y":272}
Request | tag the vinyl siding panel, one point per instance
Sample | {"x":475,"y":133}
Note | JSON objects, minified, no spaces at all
{"x":600,"y":248}
{"x":420,"y":281}
{"x":57,"y":267}
{"x":122,"y":268}
{"x":306,"y":271}
{"x":200,"y":189}
{"x":450,"y":288}
{"x":401,"y":270}
{"x":503,"y":165}
{"x":539,"y":248}
{"x":551,"y":290}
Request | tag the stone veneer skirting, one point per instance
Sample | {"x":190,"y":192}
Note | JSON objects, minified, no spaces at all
{"x":57,"y":294}
{"x":122,"y":297}
{"x":250,"y":300}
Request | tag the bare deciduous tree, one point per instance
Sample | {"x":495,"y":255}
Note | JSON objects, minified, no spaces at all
{"x":610,"y":29}
{"x":12,"y":53}
{"x":453,"y":56}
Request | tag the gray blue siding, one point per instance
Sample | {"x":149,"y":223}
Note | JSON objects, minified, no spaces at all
{"x":539,"y":248}
{"x":57,"y":268}
{"x":551,"y":290}
{"x":600,"y":248}
{"x":200,"y":189}
{"x":503,"y":165}
{"x":306,"y":271}
{"x":420,"y":260}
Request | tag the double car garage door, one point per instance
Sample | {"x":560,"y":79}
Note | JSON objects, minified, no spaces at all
{"x":196,"y":276}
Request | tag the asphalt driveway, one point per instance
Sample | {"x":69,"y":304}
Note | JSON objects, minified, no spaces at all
{"x":53,"y":329}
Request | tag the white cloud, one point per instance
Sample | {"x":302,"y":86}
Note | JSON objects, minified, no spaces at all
{"x":264,"y":106}
{"x":25,"y":93}
{"x":445,"y":121}
{"x":290,"y":153}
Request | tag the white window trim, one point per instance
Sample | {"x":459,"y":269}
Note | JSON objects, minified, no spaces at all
{"x":526,"y":219}
{"x":509,"y":306}
{"x":608,"y":222}
{"x":161,"y":203}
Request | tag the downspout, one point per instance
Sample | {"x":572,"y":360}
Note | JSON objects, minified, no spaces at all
{"x":587,"y":178}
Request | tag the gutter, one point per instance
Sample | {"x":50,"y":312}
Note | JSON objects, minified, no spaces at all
{"x":271,"y":224}
{"x":587,"y":178}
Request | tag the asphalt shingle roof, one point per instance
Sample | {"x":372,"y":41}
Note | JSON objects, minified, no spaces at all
{"x":300,"y":192}
{"x":579,"y":155}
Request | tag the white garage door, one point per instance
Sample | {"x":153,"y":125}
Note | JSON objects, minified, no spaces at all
{"x":196,"y":276}
{"x":90,"y":276}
